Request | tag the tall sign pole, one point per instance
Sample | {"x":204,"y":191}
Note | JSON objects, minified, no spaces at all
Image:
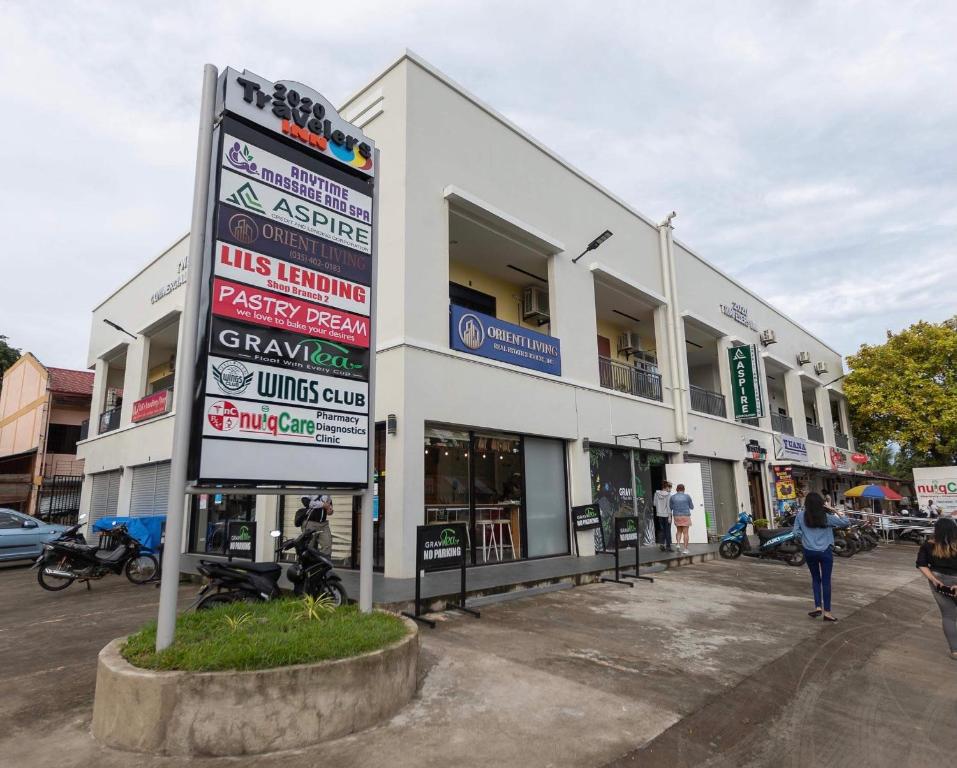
{"x":169,"y":586}
{"x":278,"y":356}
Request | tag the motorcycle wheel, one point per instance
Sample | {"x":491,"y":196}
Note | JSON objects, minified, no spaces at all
{"x":52,"y":583}
{"x":141,"y":569}
{"x":218,"y":598}
{"x":797,"y":559}
{"x":841,"y":548}
{"x":730,"y":550}
{"x":334,"y":590}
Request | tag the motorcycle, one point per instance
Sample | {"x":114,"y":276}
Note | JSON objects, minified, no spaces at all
{"x":69,"y":558}
{"x":312,"y":572}
{"x":240,"y":581}
{"x":775,"y":543}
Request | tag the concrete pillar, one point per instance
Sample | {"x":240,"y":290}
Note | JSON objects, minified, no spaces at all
{"x":405,"y":493}
{"x":101,"y":371}
{"x":724,"y":375}
{"x":823,"y":401}
{"x":126,"y":487}
{"x":134,"y":377}
{"x":579,"y":481}
{"x":267,"y":511}
{"x":795,"y":399}
{"x":661,"y":352}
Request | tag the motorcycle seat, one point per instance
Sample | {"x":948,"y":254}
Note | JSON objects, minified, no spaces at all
{"x":265,"y":569}
{"x":766,"y":534}
{"x":111,"y":557}
{"x":75,"y":545}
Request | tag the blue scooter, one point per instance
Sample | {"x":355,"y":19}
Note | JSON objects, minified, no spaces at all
{"x":775,"y":543}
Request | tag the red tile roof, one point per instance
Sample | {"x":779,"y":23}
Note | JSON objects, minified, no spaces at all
{"x":71,"y":382}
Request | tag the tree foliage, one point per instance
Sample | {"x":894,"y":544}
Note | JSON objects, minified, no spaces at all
{"x":905,"y":392}
{"x":8,"y":355}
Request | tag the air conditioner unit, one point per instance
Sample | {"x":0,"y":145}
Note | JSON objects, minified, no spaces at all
{"x":628,"y":342}
{"x":535,"y":304}
{"x":768,"y":337}
{"x":820,"y":367}
{"x":804,"y":358}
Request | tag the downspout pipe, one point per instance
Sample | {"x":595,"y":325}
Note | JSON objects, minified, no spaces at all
{"x":669,"y":283}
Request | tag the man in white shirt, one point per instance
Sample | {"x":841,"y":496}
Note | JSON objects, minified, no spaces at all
{"x":663,"y":517}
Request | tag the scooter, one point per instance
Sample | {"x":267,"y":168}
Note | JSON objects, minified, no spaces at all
{"x":775,"y":543}
{"x":69,"y":558}
{"x":312,"y":572}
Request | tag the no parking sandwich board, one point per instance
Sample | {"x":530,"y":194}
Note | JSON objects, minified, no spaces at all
{"x":626,"y":537}
{"x":440,"y":547}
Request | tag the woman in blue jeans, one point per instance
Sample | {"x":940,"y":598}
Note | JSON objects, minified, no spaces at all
{"x":813,"y":525}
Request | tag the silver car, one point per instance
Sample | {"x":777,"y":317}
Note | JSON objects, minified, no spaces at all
{"x":22,"y":536}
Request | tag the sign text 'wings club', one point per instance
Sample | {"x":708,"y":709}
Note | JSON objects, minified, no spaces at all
{"x":285,"y":359}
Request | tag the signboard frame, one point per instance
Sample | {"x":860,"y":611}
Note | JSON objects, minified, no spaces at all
{"x":431,"y":539}
{"x":594,"y":521}
{"x":338,"y":466}
{"x":627,"y":525}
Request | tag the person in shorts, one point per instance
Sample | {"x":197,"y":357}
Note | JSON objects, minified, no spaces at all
{"x":681,"y":505}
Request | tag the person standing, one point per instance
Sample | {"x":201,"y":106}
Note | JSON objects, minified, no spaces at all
{"x":663,"y":517}
{"x":814,"y":526}
{"x":937,"y":560}
{"x":681,"y":505}
{"x":933,"y":511}
{"x":314,"y":519}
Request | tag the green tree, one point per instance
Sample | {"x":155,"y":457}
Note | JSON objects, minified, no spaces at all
{"x":904,"y":391}
{"x":8,"y":356}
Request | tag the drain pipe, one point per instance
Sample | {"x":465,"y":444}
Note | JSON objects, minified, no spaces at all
{"x":669,"y":282}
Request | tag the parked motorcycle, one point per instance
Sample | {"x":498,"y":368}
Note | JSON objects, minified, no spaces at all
{"x":242,"y":581}
{"x":775,"y":543}
{"x":69,"y":558}
{"x":312,"y":573}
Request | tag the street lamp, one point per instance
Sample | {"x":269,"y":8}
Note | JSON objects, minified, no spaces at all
{"x":594,"y":244}
{"x":119,"y":328}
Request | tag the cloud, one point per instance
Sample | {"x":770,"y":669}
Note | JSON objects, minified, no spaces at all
{"x":809,"y":148}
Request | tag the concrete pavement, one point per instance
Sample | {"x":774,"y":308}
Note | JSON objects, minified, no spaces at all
{"x":713,"y":664}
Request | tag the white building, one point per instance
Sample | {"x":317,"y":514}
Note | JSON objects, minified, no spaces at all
{"x":477,"y":214}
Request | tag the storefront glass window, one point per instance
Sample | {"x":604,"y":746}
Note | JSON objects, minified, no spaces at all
{"x":446,"y":476}
{"x":499,"y":494}
{"x":210,"y":515}
{"x":611,"y":490}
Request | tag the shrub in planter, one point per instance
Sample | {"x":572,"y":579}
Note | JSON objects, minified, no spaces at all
{"x":761,"y":523}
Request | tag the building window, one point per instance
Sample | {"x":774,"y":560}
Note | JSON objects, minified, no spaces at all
{"x":211,"y":515}
{"x":469,"y":298}
{"x":62,"y":438}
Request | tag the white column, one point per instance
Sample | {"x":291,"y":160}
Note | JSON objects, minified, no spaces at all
{"x":126,"y":489}
{"x":795,"y":399}
{"x":661,"y":352}
{"x":135,"y":375}
{"x":726,"y":386}
{"x":823,"y":401}
{"x":845,"y":418}
{"x":405,"y":494}
{"x":101,"y":372}
{"x":579,"y":481}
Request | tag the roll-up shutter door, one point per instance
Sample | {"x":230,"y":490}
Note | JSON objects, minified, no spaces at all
{"x":105,"y":495}
{"x":707,"y":486}
{"x":150,"y":490}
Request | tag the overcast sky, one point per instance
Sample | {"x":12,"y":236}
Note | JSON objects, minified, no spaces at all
{"x":810,"y":149}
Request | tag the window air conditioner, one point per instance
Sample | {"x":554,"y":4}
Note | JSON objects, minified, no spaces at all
{"x":535,"y":304}
{"x":804,"y":358}
{"x":820,"y":367}
{"x":768,"y":337}
{"x":628,"y":342}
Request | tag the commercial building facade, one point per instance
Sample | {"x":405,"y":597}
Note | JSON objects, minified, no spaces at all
{"x":513,"y":381}
{"x":42,"y":414}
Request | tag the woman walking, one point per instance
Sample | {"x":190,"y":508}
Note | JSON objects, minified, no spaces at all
{"x":937,"y":560}
{"x":813,"y":525}
{"x":681,"y":506}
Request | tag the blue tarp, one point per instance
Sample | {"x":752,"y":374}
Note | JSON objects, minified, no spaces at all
{"x":148,"y":530}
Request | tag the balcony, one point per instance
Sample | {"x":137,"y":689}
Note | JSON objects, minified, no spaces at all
{"x":815,"y":433}
{"x":109,"y":420}
{"x":628,"y":379}
{"x":841,"y":440}
{"x":706,"y":401}
{"x":782,"y":424}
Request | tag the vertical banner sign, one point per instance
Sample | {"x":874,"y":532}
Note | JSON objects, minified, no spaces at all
{"x":745,"y":382}
{"x":283,"y":360}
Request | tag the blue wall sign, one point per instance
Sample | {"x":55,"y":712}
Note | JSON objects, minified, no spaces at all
{"x":486,"y":336}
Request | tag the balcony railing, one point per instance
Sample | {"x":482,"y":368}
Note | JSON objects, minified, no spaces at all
{"x":109,"y":420}
{"x":782,"y":424}
{"x":751,"y":421}
{"x":841,"y":440}
{"x":706,"y":401}
{"x":815,"y":433}
{"x":628,"y":379}
{"x":84,"y":429}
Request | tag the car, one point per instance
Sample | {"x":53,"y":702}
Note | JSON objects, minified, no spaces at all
{"x":22,"y":536}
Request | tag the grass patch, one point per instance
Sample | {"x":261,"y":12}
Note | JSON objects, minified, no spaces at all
{"x":244,"y":636}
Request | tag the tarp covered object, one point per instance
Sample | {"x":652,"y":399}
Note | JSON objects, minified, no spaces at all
{"x":148,"y":530}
